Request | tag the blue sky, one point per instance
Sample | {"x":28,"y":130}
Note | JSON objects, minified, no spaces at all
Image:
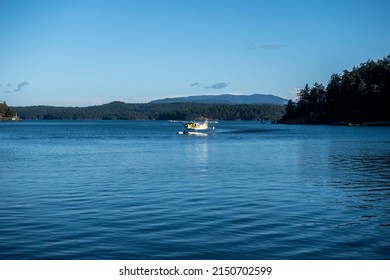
{"x":79,"y":53}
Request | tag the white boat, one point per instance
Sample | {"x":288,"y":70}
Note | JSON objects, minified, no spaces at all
{"x":198,"y":128}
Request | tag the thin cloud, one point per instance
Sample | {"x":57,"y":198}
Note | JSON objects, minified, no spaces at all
{"x":196,"y":84}
{"x":219,"y":85}
{"x":8,"y":87}
{"x":266,"y":46}
{"x":21,"y":85}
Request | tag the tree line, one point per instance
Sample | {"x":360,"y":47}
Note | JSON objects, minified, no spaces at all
{"x":358,"y":96}
{"x":147,"y":111}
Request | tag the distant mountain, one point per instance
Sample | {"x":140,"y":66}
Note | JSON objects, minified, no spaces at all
{"x":227,"y":99}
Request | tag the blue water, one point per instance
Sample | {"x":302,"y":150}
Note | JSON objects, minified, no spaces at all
{"x":138,"y":190}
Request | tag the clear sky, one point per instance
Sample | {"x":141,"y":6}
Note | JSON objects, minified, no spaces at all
{"x":79,"y":53}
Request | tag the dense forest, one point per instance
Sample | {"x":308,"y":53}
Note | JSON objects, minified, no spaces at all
{"x":148,"y":111}
{"x":359,"y":96}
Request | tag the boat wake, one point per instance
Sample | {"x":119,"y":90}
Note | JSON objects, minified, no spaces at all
{"x":192,"y":133}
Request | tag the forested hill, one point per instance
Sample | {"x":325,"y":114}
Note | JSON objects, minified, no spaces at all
{"x":175,"y":111}
{"x":359,"y":96}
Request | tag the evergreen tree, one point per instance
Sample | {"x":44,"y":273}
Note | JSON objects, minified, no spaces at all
{"x":356,"y":96}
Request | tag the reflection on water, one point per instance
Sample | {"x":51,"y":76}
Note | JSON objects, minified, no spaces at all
{"x":196,"y":154}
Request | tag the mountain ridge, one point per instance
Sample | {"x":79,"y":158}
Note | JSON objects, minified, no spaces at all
{"x":226,"y":99}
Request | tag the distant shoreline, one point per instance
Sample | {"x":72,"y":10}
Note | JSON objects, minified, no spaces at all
{"x":14,"y":119}
{"x":146,"y":111}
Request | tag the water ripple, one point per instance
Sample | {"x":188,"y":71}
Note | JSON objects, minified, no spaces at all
{"x":136,"y":190}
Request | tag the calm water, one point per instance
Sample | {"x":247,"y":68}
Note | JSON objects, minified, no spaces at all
{"x":138,"y":190}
